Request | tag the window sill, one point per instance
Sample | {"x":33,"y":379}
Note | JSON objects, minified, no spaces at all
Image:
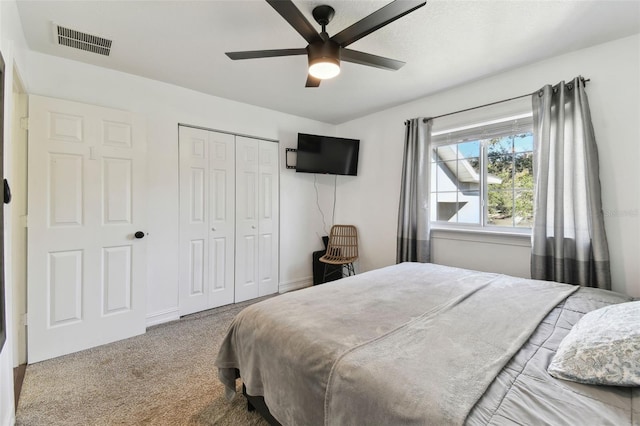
{"x":496,"y":236}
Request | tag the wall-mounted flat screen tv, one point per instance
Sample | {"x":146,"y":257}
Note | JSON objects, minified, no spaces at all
{"x":327,"y":155}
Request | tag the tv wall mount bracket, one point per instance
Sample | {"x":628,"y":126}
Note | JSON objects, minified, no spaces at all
{"x":286,"y":158}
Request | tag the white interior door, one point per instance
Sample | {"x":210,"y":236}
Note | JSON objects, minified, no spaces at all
{"x":86,"y":197}
{"x":207,"y":181}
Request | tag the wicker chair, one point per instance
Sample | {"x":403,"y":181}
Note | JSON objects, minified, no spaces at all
{"x":341,"y":250}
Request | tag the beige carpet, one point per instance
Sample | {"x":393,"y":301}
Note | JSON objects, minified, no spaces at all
{"x":164,"y":377}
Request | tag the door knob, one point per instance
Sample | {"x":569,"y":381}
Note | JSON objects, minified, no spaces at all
{"x":139,"y":234}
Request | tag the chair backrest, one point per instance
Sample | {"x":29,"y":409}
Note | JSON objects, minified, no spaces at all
{"x":343,"y":243}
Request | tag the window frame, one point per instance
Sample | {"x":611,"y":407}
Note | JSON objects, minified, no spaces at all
{"x":507,"y":125}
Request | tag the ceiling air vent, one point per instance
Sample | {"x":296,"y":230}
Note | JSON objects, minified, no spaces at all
{"x":83,"y":41}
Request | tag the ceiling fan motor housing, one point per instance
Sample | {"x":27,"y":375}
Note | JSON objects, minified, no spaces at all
{"x":323,"y":51}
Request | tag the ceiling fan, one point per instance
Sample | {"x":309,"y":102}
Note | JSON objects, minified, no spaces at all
{"x":325,"y":53}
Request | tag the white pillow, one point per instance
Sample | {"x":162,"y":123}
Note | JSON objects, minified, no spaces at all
{"x":603,"y":348}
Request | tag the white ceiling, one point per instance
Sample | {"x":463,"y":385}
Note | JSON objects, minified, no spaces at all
{"x":444,"y":44}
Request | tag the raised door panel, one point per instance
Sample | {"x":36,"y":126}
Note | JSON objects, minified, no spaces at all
{"x":65,"y":127}
{"x":196,"y":192}
{"x":117,"y":191}
{"x":117,"y":134}
{"x":197,"y":268}
{"x":219,"y":265}
{"x":65,"y":198}
{"x":65,"y":285}
{"x":116,"y":279}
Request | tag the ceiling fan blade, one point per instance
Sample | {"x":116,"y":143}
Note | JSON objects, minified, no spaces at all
{"x":296,"y":19}
{"x":312,"y":81}
{"x":362,"y":58}
{"x":252,"y":54}
{"x":378,"y":19}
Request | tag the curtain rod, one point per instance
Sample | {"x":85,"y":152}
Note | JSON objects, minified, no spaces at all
{"x":424,"y":120}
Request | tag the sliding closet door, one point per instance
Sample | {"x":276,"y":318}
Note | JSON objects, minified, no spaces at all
{"x":257,"y":212}
{"x":206,"y":254}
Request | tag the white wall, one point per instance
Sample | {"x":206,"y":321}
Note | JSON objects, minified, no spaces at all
{"x":371,"y":200}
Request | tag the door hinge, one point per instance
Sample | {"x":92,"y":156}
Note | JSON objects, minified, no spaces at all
{"x":24,"y":123}
{"x":25,"y":319}
{"x":24,"y":220}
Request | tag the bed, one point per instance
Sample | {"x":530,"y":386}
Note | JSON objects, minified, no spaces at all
{"x":415,"y":344}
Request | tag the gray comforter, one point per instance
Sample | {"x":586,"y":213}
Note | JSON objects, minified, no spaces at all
{"x":524,"y":393}
{"x":406,"y":344}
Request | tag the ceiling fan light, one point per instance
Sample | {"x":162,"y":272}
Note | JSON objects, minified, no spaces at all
{"x":324,"y":59}
{"x":324,"y":68}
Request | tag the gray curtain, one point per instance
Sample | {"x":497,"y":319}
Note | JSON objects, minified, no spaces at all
{"x":413,"y":215}
{"x":568,"y":243}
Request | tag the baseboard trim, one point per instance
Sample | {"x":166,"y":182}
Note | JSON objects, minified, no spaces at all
{"x":162,"y":317}
{"x":295,"y":285}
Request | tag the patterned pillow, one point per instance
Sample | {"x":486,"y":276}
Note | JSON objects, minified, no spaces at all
{"x":603,"y":348}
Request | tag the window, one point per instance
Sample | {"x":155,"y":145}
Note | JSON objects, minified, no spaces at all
{"x":482,"y":174}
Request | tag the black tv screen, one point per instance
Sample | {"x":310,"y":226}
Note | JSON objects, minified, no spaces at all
{"x":327,"y":155}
